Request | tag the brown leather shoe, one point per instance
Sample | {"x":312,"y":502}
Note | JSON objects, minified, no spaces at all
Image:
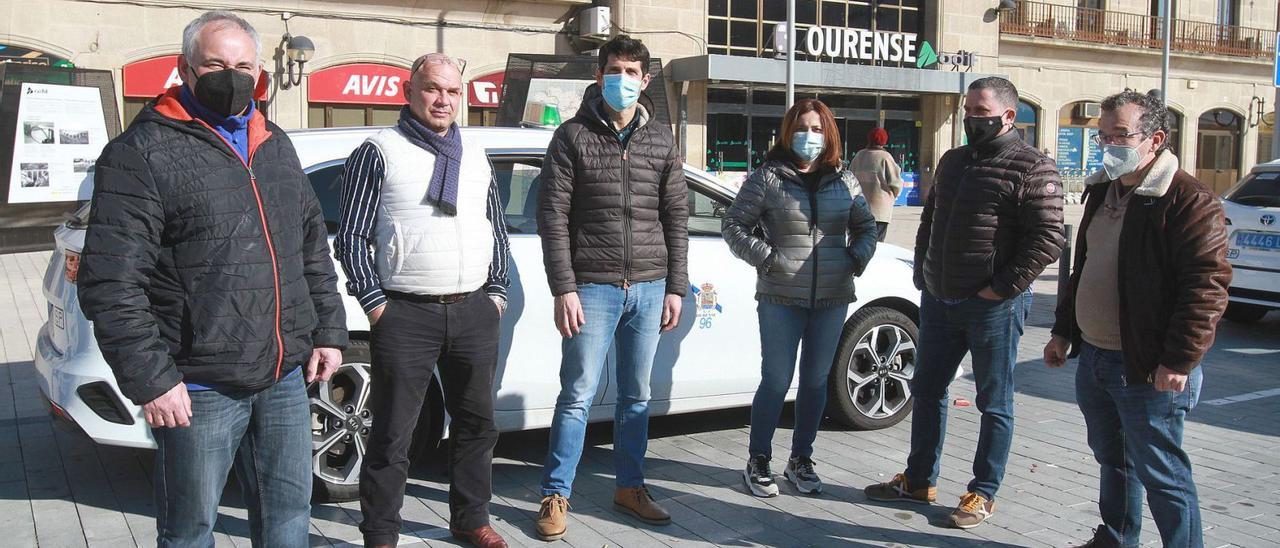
{"x":553,"y":518}
{"x":639,"y":503}
{"x":484,"y":537}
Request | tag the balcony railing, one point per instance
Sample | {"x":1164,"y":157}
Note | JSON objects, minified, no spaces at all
{"x":1136,"y":31}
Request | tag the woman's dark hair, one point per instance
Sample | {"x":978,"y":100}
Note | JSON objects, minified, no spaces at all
{"x":829,"y":160}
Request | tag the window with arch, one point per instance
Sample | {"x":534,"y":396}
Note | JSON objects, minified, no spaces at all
{"x":1218,"y":151}
{"x":1027,"y":122}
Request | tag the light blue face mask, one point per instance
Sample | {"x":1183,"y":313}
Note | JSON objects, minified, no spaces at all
{"x":1120,"y":160}
{"x":807,"y":145}
{"x":620,"y":91}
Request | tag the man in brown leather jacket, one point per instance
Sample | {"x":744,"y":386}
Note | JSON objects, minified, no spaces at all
{"x":1140,"y":321}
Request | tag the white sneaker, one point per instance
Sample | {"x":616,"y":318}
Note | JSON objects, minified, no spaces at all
{"x":759,"y":478}
{"x":800,"y":472}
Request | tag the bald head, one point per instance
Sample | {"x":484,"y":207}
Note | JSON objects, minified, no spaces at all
{"x":434,"y":91}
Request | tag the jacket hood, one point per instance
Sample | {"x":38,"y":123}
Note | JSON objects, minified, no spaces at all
{"x":593,"y":97}
{"x":1157,"y":181}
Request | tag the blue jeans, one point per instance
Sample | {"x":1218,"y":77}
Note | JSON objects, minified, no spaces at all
{"x":1135,"y":433}
{"x":267,"y":435}
{"x":782,"y":328}
{"x":990,"y":331}
{"x":633,"y":319}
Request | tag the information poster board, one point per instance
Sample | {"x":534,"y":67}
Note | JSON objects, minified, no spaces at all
{"x":1092,"y":159}
{"x":562,"y":94}
{"x":59,"y":134}
{"x":1070,"y":148}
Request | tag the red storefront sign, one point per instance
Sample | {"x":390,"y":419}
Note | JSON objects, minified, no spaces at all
{"x":149,"y":78}
{"x":360,"y":83}
{"x":486,"y":91}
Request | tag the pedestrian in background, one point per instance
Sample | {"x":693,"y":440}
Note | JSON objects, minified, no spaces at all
{"x":816,"y":233}
{"x":880,"y":177}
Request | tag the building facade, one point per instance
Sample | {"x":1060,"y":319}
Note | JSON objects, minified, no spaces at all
{"x":897,"y":64}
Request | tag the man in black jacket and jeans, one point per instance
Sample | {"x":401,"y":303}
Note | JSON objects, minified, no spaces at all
{"x":992,"y":223}
{"x":206,"y":271}
{"x":613,"y":220}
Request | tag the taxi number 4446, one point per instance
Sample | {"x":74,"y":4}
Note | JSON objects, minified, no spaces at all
{"x":1258,"y":240}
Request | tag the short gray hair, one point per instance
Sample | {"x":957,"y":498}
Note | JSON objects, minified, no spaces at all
{"x":1155,"y":116}
{"x":220,"y":18}
{"x":1004,"y":90}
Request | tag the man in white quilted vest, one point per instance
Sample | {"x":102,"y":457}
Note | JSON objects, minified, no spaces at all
{"x":420,"y":214}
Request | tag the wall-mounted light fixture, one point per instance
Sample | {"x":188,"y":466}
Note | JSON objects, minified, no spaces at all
{"x":298,"y":49}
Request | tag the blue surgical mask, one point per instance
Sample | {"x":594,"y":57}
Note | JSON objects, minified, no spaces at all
{"x":807,"y":145}
{"x":620,"y":91}
{"x":1119,"y":160}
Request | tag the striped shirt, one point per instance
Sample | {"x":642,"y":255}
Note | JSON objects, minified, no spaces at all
{"x":354,"y":244}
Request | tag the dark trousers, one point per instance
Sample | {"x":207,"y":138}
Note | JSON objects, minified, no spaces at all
{"x":882,"y":230}
{"x":410,"y":340}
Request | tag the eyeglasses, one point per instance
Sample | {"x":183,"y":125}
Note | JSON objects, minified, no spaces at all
{"x":439,"y":59}
{"x":1102,"y":138}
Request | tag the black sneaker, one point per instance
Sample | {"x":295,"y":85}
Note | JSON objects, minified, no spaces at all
{"x":1101,"y":539}
{"x":800,"y":472}
{"x":759,"y":478}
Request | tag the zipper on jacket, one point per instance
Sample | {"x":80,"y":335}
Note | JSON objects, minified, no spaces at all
{"x":813,"y":236}
{"x":266,"y":234}
{"x":626,"y":212}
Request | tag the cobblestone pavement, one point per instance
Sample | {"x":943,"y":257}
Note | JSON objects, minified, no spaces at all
{"x":57,"y":489}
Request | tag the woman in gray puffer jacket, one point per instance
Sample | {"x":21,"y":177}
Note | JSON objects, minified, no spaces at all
{"x":802,"y":221}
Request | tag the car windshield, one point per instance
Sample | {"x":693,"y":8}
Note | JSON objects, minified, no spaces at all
{"x":1259,"y":189}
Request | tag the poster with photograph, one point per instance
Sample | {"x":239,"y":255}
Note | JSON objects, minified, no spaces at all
{"x":561,"y":95}
{"x":61,"y":132}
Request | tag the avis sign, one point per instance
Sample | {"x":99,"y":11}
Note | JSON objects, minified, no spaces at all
{"x":149,"y":78}
{"x":359,"y":83}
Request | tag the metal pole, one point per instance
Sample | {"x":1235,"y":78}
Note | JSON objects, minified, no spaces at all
{"x":1164,"y":63}
{"x":791,"y":53}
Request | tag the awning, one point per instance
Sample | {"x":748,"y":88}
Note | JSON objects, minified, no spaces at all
{"x":733,"y":68}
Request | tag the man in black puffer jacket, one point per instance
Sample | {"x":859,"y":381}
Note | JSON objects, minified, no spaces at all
{"x":613,"y":218}
{"x":206,"y":271}
{"x":992,"y":223}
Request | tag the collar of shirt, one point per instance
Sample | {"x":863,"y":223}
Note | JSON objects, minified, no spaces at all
{"x":626,"y":131}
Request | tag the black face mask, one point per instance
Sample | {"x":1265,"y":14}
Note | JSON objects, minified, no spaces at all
{"x":982,"y":129}
{"x":227,"y":92}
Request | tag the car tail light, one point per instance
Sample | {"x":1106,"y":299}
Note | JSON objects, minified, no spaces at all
{"x":103,"y":401}
{"x":72,"y":268}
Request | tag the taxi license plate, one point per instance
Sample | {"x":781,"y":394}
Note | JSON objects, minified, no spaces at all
{"x":1258,"y":240}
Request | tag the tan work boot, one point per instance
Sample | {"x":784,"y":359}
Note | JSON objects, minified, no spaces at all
{"x":897,"y":489}
{"x":972,"y":511}
{"x":638,"y":502}
{"x":553,"y":518}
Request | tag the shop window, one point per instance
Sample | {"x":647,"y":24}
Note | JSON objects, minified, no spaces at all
{"x":745,"y":27}
{"x":727,"y":143}
{"x":833,"y":14}
{"x":1076,"y":154}
{"x":718,"y":8}
{"x":478,"y":116}
{"x":339,"y":115}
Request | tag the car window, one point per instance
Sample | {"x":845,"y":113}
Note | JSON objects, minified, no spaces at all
{"x":705,"y":211}
{"x":518,"y":183}
{"x":327,"y":182}
{"x":1260,"y":189}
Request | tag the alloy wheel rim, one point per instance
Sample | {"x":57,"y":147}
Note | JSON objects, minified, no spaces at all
{"x":340,"y":424}
{"x":880,"y":370}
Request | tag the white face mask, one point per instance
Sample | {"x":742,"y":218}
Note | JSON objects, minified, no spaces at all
{"x":1119,"y":160}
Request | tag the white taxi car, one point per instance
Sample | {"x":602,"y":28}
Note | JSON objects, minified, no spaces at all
{"x":711,"y":361}
{"x":1253,"y":208}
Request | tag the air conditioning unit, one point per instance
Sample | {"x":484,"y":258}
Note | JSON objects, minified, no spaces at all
{"x":1089,"y":110}
{"x":594,"y":23}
